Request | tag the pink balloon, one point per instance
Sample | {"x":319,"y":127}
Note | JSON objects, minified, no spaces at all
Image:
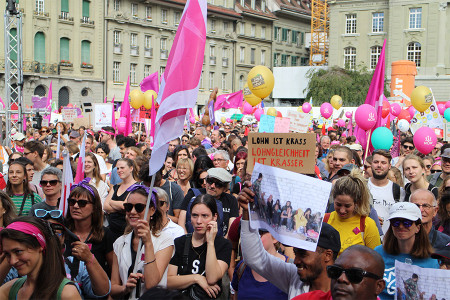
{"x":366,"y":116}
{"x":121,"y":124}
{"x":306,"y":107}
{"x":441,"y":108}
{"x":247,"y":108}
{"x":412,"y":111}
{"x":424,"y":140}
{"x":447,"y":104}
{"x":341,"y":123}
{"x":229,"y":120}
{"x":326,"y":110}
{"x":348,"y":114}
{"x":395,"y":109}
{"x":258,"y":113}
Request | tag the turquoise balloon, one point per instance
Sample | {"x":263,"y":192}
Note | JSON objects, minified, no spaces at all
{"x":382,"y":138}
{"x":447,"y":114}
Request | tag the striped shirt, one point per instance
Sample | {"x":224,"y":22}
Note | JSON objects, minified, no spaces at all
{"x":18,"y":199}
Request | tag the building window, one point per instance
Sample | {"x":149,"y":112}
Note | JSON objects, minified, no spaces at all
{"x":63,"y":96}
{"x":177,"y":17}
{"x":242,"y":28}
{"x":283,"y":60}
{"x":294,"y":61}
{"x":147,"y":70}
{"x":225,"y":26}
{"x":148,"y":12}
{"x":415,"y":53}
{"x":211,"y":80}
{"x":201,"y":81}
{"x":116,"y":37}
{"x":212,"y":51}
{"x":163,"y":43}
{"x":253,"y":4}
{"x":241,"y":82}
{"x":263,"y":57}
{"x":133,"y":73}
{"x":213,"y":25}
{"x":304,"y":61}
{"x":377,"y":22}
{"x":133,"y":39}
{"x":39,"y":6}
{"x":40,"y":91}
{"x":162,"y":69}
{"x":284,"y":35}
{"x":64,"y":49}
{"x":164,"y":16}
{"x":253,"y":30}
{"x":263,"y":32}
{"x":116,"y":5}
{"x":415,"y":18}
{"x":294,"y":37}
{"x":242,"y":55}
{"x":375,"y":52}
{"x":277,"y":33}
{"x":134,"y":9}
{"x":350,"y":58}
{"x":86,"y":52}
{"x":39,"y":47}
{"x":224,"y":52}
{"x":350,"y":24}
{"x":85,"y":9}
{"x":64,"y":7}
{"x":148,"y":41}
{"x":276,"y":59}
{"x":116,"y":71}
{"x":252,"y":56}
{"x":224,"y":81}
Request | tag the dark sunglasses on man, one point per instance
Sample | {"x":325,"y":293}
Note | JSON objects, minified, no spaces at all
{"x":219,"y":184}
{"x":406,"y":147}
{"x":354,"y":275}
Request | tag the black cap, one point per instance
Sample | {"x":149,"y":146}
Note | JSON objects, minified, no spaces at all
{"x":346,"y":169}
{"x":329,"y":238}
{"x":442,"y":252}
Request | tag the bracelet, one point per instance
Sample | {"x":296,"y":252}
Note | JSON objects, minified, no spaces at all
{"x":152,"y":261}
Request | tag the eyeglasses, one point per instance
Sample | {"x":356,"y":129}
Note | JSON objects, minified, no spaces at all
{"x":138,"y":207}
{"x":218,"y":159}
{"x":161,"y":203}
{"x":54,"y":214}
{"x":81,"y":203}
{"x":354,"y":275}
{"x":202,"y":180}
{"x":51,"y":182}
{"x":397,"y":222}
{"x":434,"y":171}
{"x":425,"y":206}
{"x":26,"y":153}
{"x":219,"y":184}
{"x":408,"y":147}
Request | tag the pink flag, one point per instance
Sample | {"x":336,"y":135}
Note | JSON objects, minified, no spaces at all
{"x":113,"y":114}
{"x":180,"y":81}
{"x":152,"y":124}
{"x":233,"y":100}
{"x":3,"y":103}
{"x":80,"y":165}
{"x":50,"y":96}
{"x":151,"y":82}
{"x":106,"y":100}
{"x":67,"y":183}
{"x":125,"y":109}
{"x":375,"y":98}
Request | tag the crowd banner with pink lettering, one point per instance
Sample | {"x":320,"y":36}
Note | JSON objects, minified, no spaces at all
{"x":69,"y":114}
{"x":102,"y":115}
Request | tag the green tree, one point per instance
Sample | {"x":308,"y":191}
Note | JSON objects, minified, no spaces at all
{"x":351,"y":85}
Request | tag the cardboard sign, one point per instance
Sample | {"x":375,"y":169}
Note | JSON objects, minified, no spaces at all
{"x":102,"y":115}
{"x":267,"y":123}
{"x":69,"y":114}
{"x":282,"y":125}
{"x":145,"y":113}
{"x":289,"y":151}
{"x":299,"y":121}
{"x":83,"y":121}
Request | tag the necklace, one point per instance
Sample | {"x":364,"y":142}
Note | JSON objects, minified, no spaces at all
{"x":197,"y":252}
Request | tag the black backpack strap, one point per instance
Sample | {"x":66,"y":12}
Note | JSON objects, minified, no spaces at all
{"x":396,"y":192}
{"x":187,"y":246}
{"x":23,"y":204}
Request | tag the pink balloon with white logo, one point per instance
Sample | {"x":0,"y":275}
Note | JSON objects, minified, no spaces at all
{"x":412,"y":111}
{"x":247,"y":108}
{"x":326,"y":110}
{"x":366,"y":116}
{"x":348,"y":114}
{"x":121,"y":124}
{"x":441,"y":108}
{"x":341,"y":123}
{"x":395,"y":109}
{"x":258,"y":113}
{"x":306,"y":107}
{"x":424,"y":140}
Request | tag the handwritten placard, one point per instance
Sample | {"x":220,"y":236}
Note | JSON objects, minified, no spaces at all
{"x":69,"y":114}
{"x":299,"y":121}
{"x":289,"y":151}
{"x":267,"y":123}
{"x":102,"y":115}
{"x":282,"y":125}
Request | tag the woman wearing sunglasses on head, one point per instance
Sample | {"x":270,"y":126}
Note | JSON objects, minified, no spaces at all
{"x":30,"y":246}
{"x":85,"y":219}
{"x":92,"y":170}
{"x":18,"y":189}
{"x":406,"y":241}
{"x":415,"y":171}
{"x":154,"y":255}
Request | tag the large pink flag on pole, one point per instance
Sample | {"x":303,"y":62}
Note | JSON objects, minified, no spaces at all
{"x":152,"y":122}
{"x":67,"y":183}
{"x":375,"y":98}
{"x":233,"y":100}
{"x":113,"y":124}
{"x":80,"y":165}
{"x":125,"y":109}
{"x":180,"y":81}
{"x":50,"y":96}
{"x":151,"y":82}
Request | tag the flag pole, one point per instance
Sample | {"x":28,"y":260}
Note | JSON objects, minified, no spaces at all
{"x":367,"y":145}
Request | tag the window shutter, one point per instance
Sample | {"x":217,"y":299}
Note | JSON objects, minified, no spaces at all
{"x":65,"y":6}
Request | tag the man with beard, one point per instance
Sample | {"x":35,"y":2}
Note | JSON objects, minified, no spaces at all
{"x":384,"y":192}
{"x":308,"y":273}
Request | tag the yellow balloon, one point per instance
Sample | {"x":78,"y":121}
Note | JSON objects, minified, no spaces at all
{"x":223,"y":120}
{"x":196,"y":118}
{"x":250,"y":97}
{"x":421,"y":98}
{"x":148,"y":98}
{"x":272,"y":112}
{"x":136,"y":98}
{"x":336,"y":101}
{"x":300,"y":109}
{"x":260,"y":80}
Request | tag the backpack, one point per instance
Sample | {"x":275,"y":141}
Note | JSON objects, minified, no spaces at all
{"x":396,"y":192}
{"x":219,"y":204}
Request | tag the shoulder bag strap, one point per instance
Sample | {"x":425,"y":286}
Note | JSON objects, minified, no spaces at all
{"x":187,"y":245}
{"x":170,"y":190}
{"x":16,"y":287}
{"x":63,"y":283}
{"x":23,"y":204}
{"x":362,"y":227}
{"x":433,"y":240}
{"x":241,"y":270}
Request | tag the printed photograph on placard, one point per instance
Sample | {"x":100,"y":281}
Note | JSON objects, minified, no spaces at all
{"x":289,"y":205}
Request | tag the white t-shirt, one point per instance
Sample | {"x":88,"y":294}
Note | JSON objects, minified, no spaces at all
{"x":174,"y":229}
{"x":102,"y":189}
{"x":101,"y":164}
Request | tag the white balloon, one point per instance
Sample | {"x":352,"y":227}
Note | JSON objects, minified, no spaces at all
{"x":403,"y":125}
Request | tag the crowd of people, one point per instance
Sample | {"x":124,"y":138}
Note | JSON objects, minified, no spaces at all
{"x":196,"y":241}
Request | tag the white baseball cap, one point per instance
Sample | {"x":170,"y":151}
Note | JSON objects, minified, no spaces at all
{"x":405,"y":210}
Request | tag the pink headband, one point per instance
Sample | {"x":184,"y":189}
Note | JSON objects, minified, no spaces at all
{"x":29,"y":229}
{"x":107,"y":132}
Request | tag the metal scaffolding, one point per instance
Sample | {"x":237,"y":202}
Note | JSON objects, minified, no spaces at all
{"x":319,"y":33}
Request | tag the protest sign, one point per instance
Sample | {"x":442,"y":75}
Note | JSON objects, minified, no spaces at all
{"x":84,"y":120}
{"x":290,"y":151}
{"x":299,"y":121}
{"x":69,"y":114}
{"x":135,"y":116}
{"x":413,"y":282}
{"x":291,"y":196}
{"x":102,"y":115}
{"x":281,"y":125}
{"x":266,"y":123}
{"x":145,"y":113}
{"x":55,"y":118}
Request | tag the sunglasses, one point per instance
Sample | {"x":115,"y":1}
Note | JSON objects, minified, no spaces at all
{"x":408,"y":147}
{"x":397,"y":222}
{"x":434,"y":171}
{"x":54,"y":214}
{"x":161,"y":203}
{"x":51,"y":182}
{"x":354,"y":275}
{"x":138,"y":207}
{"x":81,"y":203}
{"x":219,"y":184}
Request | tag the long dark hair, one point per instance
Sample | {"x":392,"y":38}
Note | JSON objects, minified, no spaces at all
{"x":9,"y":207}
{"x":52,"y":270}
{"x":97,"y":212}
{"x":202,"y":163}
{"x":26,"y":188}
{"x":210,"y":203}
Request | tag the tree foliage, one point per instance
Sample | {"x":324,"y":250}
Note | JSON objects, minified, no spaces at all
{"x":351,"y":85}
